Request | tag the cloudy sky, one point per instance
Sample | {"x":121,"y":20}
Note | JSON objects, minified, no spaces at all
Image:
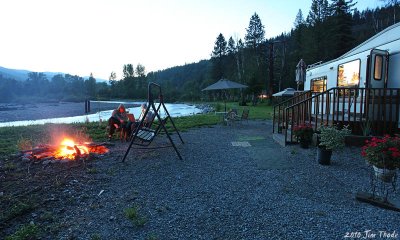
{"x":100,"y":36}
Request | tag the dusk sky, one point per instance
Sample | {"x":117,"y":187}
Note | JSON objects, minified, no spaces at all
{"x":100,"y":36}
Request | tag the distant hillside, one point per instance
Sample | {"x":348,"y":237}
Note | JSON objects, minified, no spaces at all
{"x":22,"y":75}
{"x":19,"y":75}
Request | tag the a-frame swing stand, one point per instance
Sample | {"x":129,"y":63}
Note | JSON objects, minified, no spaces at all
{"x":144,"y":135}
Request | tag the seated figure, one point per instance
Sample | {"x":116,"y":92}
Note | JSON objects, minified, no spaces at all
{"x":119,"y":120}
{"x":149,"y":117}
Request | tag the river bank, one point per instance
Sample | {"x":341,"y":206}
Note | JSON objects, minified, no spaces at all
{"x":36,"y":111}
{"x":33,"y":111}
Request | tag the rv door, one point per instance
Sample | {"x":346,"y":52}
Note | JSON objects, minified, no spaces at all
{"x":378,"y":66}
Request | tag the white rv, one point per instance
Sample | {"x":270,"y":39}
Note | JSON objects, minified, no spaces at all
{"x":362,"y":86}
{"x":373,"y":64}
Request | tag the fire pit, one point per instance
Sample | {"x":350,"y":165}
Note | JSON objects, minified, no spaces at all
{"x":67,"y":150}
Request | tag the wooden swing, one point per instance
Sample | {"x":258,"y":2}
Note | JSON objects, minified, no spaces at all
{"x":143,"y":135}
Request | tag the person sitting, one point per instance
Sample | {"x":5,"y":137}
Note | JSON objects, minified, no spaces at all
{"x":119,"y":120}
{"x":149,"y":117}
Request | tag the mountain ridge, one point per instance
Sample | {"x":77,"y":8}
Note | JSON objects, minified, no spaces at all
{"x":22,"y":74}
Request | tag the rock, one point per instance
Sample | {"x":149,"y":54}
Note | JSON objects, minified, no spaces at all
{"x":112,"y":218}
{"x":46,"y":162}
{"x":48,"y":158}
{"x":25,"y":159}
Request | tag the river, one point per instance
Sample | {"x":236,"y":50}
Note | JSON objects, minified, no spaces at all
{"x":174,"y":109}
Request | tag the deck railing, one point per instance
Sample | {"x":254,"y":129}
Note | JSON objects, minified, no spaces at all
{"x":279,"y":109}
{"x":360,"y":108}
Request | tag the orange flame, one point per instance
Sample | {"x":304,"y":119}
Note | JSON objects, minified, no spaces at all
{"x":69,"y":149}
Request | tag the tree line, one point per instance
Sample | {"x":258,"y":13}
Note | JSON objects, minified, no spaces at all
{"x":266,"y":65}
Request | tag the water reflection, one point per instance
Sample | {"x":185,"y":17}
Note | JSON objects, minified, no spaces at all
{"x":175,"y":110}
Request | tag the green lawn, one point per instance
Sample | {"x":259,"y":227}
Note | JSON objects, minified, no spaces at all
{"x":14,"y":139}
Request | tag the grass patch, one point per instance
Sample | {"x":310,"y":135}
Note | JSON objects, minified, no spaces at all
{"x":92,"y":170}
{"x":16,"y":210}
{"x":261,"y":111}
{"x":132,"y":214}
{"x":30,"y":231}
{"x":95,"y":237}
{"x":10,"y":166}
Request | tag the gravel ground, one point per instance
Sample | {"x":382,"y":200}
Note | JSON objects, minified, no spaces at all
{"x":220,"y":191}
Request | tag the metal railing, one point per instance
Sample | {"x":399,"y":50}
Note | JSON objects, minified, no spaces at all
{"x":279,"y":110}
{"x":377,"y":108}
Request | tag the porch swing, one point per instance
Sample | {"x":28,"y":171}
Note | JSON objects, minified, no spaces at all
{"x":144,"y":134}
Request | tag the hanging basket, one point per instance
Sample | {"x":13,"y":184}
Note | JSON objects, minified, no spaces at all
{"x":386,"y":175}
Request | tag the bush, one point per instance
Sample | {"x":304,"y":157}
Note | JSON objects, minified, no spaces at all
{"x":331,"y":137}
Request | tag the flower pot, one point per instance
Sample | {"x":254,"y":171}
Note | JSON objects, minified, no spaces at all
{"x":386,"y":175}
{"x":324,"y":156}
{"x":304,"y":143}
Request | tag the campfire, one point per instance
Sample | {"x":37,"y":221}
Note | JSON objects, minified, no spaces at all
{"x":67,"y":150}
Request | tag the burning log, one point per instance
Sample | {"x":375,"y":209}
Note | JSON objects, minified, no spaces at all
{"x":68,"y":150}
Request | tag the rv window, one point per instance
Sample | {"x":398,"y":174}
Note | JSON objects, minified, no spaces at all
{"x":318,"y":84}
{"x":378,"y":66}
{"x":349,"y":74}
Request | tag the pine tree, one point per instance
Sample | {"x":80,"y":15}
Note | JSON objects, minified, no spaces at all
{"x":218,"y":57}
{"x":319,"y":11}
{"x":317,"y":41}
{"x":255,"y":33}
{"x":91,"y":86}
{"x":394,"y":4}
{"x":342,"y":25}
{"x":299,"y":21}
{"x":256,"y":61}
{"x":231,"y":48}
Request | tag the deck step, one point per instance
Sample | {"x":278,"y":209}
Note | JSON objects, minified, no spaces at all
{"x":279,"y":138}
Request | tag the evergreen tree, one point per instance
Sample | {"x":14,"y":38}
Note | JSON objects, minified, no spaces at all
{"x":319,"y":11}
{"x":129,"y":87}
{"x":255,"y":33}
{"x":342,"y":25}
{"x":255,"y":58}
{"x":231,"y":48}
{"x":91,"y":86}
{"x":299,"y":21}
{"x":394,"y":4}
{"x":317,"y":37}
{"x":141,"y":80}
{"x":218,"y":57}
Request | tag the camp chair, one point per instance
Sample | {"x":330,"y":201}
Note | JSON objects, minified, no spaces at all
{"x":232,"y":116}
{"x":245,"y":115}
{"x":145,"y":133}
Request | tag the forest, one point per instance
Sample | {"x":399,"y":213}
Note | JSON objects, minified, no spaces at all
{"x":266,"y":65}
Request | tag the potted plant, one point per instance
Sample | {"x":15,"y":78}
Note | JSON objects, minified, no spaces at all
{"x":330,"y":138}
{"x":384,"y":156}
{"x":304,"y":133}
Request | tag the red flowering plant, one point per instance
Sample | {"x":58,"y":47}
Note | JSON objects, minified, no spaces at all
{"x":383,"y":152}
{"x":303,"y":132}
